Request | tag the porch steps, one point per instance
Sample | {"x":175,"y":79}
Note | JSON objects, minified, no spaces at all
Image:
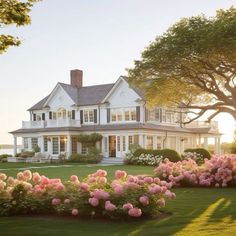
{"x":112,"y":161}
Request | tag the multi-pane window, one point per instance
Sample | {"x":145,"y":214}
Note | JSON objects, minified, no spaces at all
{"x":124,"y":143}
{"x":133,"y":115}
{"x":54,"y":115}
{"x":88,"y":116}
{"x":74,"y":144}
{"x":34,"y":142}
{"x":55,"y":145}
{"x":130,"y":139}
{"x":26,"y":143}
{"x":154,"y":114}
{"x":45,"y":143}
{"x":149,"y":142}
{"x":123,"y":114}
{"x":118,"y":143}
{"x":170,"y":117}
{"x":69,"y":114}
{"x":126,"y":115}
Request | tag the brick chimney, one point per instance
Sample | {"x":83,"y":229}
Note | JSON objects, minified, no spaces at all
{"x":76,"y":78}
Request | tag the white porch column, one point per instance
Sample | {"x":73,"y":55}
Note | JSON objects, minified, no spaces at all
{"x":154,"y":142}
{"x":205,"y":142}
{"x":140,"y":140}
{"x":217,"y":148}
{"x":41,"y":144}
{"x":15,"y":145}
{"x":69,"y":149}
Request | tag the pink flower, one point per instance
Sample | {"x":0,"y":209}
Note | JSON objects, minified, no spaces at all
{"x":67,"y":201}
{"x":144,"y":200}
{"x":161,"y":202}
{"x":74,"y":178}
{"x":93,"y":201}
{"x":74,"y":212}
{"x":91,"y":179}
{"x":135,"y":212}
{"x":102,"y":180}
{"x":109,"y":206}
{"x":56,"y":201}
{"x":44,"y":180}
{"x":60,"y":187}
{"x":36,"y":177}
{"x":127,"y":206}
{"x":99,"y":194}
{"x":119,"y":174}
{"x":20,"y":176}
{"x":27,"y":175}
{"x":84,"y":187}
{"x":118,"y":190}
{"x":3,"y":176}
{"x":148,"y":180}
{"x":101,"y":173}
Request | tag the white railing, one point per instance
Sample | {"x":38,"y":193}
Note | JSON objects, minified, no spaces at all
{"x":50,"y":124}
{"x":33,"y":124}
{"x":213,"y":125}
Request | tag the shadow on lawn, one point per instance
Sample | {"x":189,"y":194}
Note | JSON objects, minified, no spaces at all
{"x":194,"y":210}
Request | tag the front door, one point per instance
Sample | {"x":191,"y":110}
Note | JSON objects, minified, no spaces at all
{"x":112,"y":146}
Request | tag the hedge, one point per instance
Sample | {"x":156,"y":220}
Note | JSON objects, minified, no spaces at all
{"x":201,"y":151}
{"x":171,"y":154}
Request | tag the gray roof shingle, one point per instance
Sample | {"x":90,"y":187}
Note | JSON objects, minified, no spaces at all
{"x":89,"y":95}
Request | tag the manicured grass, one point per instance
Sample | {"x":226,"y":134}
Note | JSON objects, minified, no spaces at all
{"x":196,"y":211}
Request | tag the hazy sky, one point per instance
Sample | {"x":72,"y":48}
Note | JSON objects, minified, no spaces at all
{"x":101,"y":37}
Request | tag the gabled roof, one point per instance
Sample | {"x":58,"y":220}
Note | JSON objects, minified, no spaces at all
{"x":89,"y":95}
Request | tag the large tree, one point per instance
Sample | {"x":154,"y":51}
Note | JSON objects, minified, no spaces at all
{"x":13,"y":12}
{"x":192,"y":65}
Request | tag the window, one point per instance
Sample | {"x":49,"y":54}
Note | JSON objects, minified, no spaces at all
{"x":170,"y":117}
{"x":124,"y":143}
{"x":133,"y":115}
{"x":130,"y":140}
{"x":74,"y":144}
{"x":55,"y":146}
{"x":172,"y":142}
{"x":69,"y":114}
{"x":105,"y":144}
{"x":91,"y":116}
{"x":45,"y":143}
{"x":154,"y":114}
{"x":126,"y":115}
{"x":113,"y":116}
{"x":136,"y":138}
{"x":118,"y":143}
{"x":119,"y":115}
{"x":64,"y":114}
{"x":62,"y":144}
{"x":34,"y":142}
{"x":149,"y":142}
{"x":26,"y":143}
{"x":54,"y":115}
{"x":88,"y":116}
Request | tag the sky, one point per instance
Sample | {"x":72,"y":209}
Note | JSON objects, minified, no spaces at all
{"x":100,"y":37}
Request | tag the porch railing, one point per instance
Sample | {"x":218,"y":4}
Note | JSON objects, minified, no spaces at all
{"x":50,"y":124}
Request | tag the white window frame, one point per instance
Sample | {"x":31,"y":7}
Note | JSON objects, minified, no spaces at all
{"x":88,"y":116}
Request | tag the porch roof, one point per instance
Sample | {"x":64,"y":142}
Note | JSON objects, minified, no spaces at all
{"x":112,"y":127}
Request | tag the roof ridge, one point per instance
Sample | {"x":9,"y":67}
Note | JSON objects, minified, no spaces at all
{"x":95,"y":85}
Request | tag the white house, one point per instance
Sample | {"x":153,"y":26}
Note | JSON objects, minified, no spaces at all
{"x":116,"y":111}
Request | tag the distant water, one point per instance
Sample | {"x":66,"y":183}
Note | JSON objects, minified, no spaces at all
{"x":8,"y":151}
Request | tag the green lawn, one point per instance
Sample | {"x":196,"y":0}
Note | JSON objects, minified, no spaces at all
{"x":196,"y":211}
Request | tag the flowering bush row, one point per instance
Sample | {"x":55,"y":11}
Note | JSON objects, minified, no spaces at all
{"x":124,"y":197}
{"x":219,"y":171}
{"x":143,"y":159}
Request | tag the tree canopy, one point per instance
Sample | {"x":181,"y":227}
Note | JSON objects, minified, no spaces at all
{"x":192,"y":65}
{"x":13,"y":12}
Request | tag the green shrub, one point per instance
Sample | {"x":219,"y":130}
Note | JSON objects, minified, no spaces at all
{"x":233,"y":148}
{"x":25,"y":154}
{"x":3,"y":157}
{"x":36,"y":148}
{"x":200,"y":151}
{"x":93,"y":156}
{"x":172,"y":155}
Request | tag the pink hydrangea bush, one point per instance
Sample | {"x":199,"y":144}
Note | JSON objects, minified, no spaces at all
{"x":124,"y":197}
{"x":219,"y":171}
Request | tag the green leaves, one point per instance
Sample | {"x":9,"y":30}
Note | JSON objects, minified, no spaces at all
{"x":13,"y":12}
{"x":193,"y":62}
